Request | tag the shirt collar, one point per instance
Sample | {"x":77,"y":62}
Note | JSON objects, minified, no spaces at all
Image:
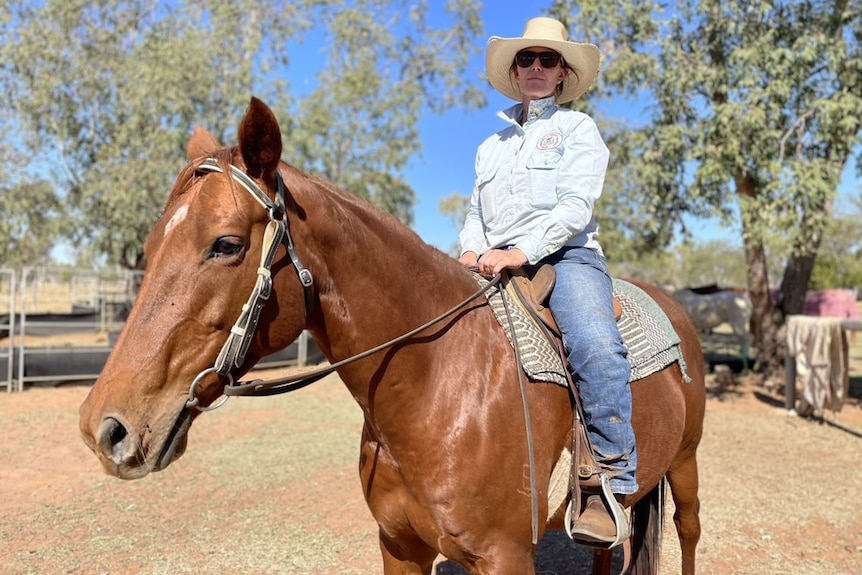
{"x":538,"y":109}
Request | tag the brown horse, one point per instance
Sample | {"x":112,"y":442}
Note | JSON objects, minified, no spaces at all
{"x":444,"y":458}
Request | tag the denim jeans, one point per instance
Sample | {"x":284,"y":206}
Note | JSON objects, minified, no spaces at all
{"x":582,"y":304}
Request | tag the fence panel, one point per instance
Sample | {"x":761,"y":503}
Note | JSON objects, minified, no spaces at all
{"x":7,"y":328}
{"x":60,"y":325}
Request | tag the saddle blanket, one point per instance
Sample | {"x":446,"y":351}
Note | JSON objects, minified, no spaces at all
{"x":647,"y":333}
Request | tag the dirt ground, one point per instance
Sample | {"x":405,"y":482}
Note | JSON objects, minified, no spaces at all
{"x":269,"y":486}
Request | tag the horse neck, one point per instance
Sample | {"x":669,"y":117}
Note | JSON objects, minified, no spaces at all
{"x":376,"y":279}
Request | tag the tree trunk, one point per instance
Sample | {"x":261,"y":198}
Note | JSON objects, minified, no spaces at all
{"x":800,"y":265}
{"x":767,"y":321}
{"x":794,"y":284}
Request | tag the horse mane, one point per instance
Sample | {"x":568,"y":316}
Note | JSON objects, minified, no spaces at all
{"x":187,"y":177}
{"x":360,"y":216}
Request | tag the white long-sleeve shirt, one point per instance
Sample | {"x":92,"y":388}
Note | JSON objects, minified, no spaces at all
{"x":537,"y":184}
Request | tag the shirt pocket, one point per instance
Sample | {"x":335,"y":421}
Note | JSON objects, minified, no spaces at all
{"x":542,"y":170}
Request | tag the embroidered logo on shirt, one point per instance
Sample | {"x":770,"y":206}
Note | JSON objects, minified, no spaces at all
{"x":550,"y":141}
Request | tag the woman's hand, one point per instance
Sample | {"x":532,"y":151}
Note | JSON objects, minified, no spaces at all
{"x":469,"y":259}
{"x":493,"y":262}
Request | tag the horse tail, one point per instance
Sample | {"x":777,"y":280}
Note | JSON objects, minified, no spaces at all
{"x":647,"y":523}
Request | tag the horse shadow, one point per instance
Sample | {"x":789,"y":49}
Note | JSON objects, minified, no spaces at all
{"x":556,"y":554}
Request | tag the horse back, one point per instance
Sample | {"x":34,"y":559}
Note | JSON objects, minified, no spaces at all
{"x":682,"y":323}
{"x":668,"y":406}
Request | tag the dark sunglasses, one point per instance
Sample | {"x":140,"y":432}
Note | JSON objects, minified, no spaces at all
{"x":526,"y":58}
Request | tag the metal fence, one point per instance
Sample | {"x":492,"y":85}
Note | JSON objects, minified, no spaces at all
{"x":7,"y":326}
{"x":43,"y":310}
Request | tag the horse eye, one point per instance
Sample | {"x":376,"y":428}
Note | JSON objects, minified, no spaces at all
{"x":225,"y":247}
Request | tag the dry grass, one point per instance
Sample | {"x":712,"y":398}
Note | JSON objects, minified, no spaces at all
{"x":269,"y":485}
{"x":57,"y":291}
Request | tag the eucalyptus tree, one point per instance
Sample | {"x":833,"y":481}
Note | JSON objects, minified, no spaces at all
{"x":32,"y":221}
{"x":106,"y":93}
{"x":839,"y":261}
{"x":358,"y":124}
{"x":751,"y":107}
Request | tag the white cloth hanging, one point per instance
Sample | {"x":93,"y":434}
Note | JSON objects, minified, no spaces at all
{"x":819,"y":347}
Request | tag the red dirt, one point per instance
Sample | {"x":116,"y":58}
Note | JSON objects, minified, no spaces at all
{"x":779,"y":494}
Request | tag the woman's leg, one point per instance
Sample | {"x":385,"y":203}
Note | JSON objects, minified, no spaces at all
{"x":582,"y":304}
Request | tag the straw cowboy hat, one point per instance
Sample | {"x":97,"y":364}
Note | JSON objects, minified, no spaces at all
{"x":547,"y":33}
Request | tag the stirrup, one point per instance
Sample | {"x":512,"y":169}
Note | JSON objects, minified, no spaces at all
{"x":618,"y":514}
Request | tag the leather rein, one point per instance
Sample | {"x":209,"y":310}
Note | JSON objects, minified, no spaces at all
{"x":234,"y":350}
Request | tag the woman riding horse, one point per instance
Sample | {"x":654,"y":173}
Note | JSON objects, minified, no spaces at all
{"x":249,"y":252}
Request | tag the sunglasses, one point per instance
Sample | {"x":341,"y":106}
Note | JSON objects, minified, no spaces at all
{"x":526,"y":58}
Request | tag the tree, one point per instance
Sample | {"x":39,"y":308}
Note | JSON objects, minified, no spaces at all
{"x":30,"y":224}
{"x":32,"y":218}
{"x":688,"y":264}
{"x":104,"y":95}
{"x":754,"y":106}
{"x":839,"y":261}
{"x":385,"y":68}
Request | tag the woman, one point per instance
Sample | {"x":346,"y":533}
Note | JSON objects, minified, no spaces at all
{"x":537,"y":182}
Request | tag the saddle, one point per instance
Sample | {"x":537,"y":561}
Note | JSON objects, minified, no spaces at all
{"x":531,"y":287}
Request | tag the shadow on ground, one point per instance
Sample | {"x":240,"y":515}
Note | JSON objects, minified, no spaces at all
{"x":555,"y":555}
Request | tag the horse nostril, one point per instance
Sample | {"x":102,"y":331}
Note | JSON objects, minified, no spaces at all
{"x":112,"y":439}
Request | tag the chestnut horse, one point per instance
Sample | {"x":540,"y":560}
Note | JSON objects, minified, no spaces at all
{"x":444,"y":462}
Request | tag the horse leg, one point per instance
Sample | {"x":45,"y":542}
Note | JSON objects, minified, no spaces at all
{"x":683,"y":480}
{"x":602,"y":561}
{"x":418,"y":559}
{"x":502,"y":563}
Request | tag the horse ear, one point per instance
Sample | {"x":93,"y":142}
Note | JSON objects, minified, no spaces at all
{"x":259,"y":140}
{"x":201,"y":143}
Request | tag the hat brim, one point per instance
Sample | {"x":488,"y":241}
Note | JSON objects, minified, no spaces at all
{"x":500,"y":54}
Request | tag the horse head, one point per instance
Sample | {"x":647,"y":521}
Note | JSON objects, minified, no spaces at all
{"x":204,"y":256}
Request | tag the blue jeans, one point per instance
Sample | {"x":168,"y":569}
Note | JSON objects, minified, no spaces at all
{"x":582,"y":304}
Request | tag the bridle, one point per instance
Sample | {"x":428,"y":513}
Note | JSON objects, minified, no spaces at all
{"x":234,"y":350}
{"x":277,"y":232}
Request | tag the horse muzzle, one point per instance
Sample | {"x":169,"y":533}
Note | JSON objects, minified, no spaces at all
{"x":130,"y":454}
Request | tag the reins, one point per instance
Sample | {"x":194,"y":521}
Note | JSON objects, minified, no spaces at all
{"x":289,"y":383}
{"x":528,"y":421}
{"x":233,"y":352}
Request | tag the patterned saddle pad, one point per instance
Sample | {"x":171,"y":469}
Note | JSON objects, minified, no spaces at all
{"x":647,"y":333}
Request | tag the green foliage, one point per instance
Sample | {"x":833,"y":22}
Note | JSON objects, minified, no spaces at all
{"x":105,"y":94}
{"x":688,"y":264}
{"x":762,"y":92}
{"x":31,"y":222}
{"x":751,"y":107}
{"x":385,"y":68}
{"x":839,"y":260}
{"x":455,"y":206}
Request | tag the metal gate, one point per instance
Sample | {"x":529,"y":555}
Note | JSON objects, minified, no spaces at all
{"x":7,"y":328}
{"x":41,"y":309}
